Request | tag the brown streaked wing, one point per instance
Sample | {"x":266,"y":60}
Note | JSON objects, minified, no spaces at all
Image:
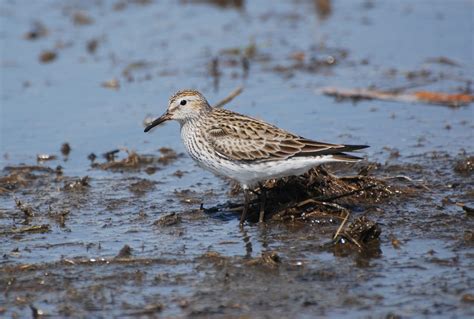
{"x":241,"y":138}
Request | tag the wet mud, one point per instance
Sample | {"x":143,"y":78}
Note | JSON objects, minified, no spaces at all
{"x":374,"y":229}
{"x":98,"y":219}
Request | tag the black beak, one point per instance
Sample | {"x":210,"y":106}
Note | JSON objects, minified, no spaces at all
{"x":165,"y":117}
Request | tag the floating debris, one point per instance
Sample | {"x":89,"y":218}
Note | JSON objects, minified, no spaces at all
{"x":168,"y":156}
{"x":36,"y":312}
{"x":468,"y":298}
{"x":187,"y":196}
{"x":132,"y":161}
{"x":77,"y":185}
{"x":438,"y":98}
{"x":179,"y":173}
{"x":221,"y":3}
{"x":443,"y":60}
{"x":47,"y":56}
{"x":168,"y":220}
{"x":25,"y":208}
{"x":37,"y":31}
{"x":469,"y":210}
{"x":269,"y":259}
{"x":125,"y":252}
{"x":148,"y":310}
{"x":65,"y":149}
{"x":92,"y":45}
{"x":360,"y":232}
{"x":91,"y":157}
{"x":110,"y":155}
{"x":134,"y":66}
{"x":142,"y":186}
{"x":111,"y":84}
{"x":59,"y":216}
{"x":323,"y":8}
{"x":82,"y":18}
{"x":465,"y":166}
{"x":45,"y":157}
{"x":150,"y":170}
{"x":28,"y":229}
{"x":22,"y":176}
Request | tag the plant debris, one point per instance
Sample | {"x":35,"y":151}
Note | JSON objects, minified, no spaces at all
{"x":443,"y":60}
{"x":65,"y":149}
{"x":82,"y":18}
{"x":21,"y":176}
{"x":26,"y":209}
{"x":317,"y":194}
{"x":111,"y":84}
{"x":125,"y":252}
{"x":38,"y":30}
{"x":92,"y":45}
{"x":465,"y":166}
{"x":77,"y":185}
{"x":187,"y":196}
{"x":446,"y":99}
{"x":45,"y":157}
{"x":359,"y":233}
{"x":268,"y":259}
{"x":47,"y":56}
{"x":27,"y":229}
{"x":142,"y":186}
{"x":168,"y":156}
{"x":168,"y":220}
{"x":134,"y":161}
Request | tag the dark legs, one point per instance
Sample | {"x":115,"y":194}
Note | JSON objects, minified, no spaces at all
{"x":246,"y":206}
{"x":263,"y":199}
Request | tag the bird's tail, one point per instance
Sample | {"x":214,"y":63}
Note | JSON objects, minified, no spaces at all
{"x":340,"y":156}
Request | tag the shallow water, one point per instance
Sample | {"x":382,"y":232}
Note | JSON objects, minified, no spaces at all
{"x":170,"y":45}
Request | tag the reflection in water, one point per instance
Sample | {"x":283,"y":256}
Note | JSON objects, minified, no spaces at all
{"x":247,"y":242}
{"x":264,"y":236}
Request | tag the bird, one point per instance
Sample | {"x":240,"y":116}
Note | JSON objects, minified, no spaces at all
{"x":244,"y":149}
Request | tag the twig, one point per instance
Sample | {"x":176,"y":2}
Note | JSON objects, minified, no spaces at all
{"x":4,"y":190}
{"x":338,"y":231}
{"x":27,"y":229}
{"x":230,"y":97}
{"x":353,"y":240}
{"x":406,"y":178}
{"x":446,"y":99}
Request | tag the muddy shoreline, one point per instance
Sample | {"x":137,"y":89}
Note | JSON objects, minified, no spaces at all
{"x":98,"y":219}
{"x":207,"y":280}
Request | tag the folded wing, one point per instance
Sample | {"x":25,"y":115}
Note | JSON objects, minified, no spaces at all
{"x":241,"y":138}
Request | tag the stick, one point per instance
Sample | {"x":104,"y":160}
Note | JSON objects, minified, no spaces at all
{"x":230,"y":97}
{"x":338,"y":231}
{"x":446,"y":99}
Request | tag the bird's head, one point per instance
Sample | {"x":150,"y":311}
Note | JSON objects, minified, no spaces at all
{"x":183,"y":106}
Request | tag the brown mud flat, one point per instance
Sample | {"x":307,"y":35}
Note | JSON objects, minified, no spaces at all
{"x":393,"y":212}
{"x":149,"y":234}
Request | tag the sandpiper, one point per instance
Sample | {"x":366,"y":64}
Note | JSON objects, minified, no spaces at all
{"x":242,"y":148}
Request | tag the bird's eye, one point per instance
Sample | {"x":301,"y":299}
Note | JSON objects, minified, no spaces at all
{"x":183,"y":102}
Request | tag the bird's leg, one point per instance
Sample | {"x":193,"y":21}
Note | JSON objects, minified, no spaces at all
{"x":263,"y":200}
{"x":246,"y":205}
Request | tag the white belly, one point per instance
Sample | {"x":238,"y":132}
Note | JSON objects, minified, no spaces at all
{"x":249,"y":174}
{"x":246,"y":173}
